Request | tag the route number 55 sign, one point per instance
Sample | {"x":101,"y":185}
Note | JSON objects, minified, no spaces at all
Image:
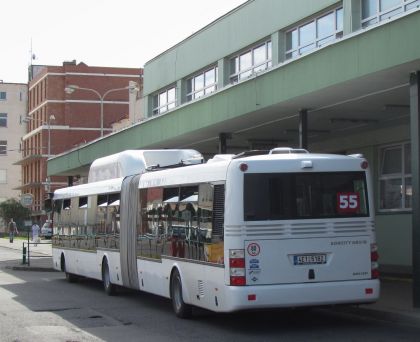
{"x":348,"y":202}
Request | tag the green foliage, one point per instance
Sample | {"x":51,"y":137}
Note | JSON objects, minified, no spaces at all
{"x":14,"y":209}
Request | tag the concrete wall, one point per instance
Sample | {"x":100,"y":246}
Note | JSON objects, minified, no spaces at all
{"x":15,"y":106}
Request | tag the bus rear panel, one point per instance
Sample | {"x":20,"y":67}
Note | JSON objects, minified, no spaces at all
{"x":300,"y":232}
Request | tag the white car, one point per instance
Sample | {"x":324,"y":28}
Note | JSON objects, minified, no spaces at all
{"x":46,"y":230}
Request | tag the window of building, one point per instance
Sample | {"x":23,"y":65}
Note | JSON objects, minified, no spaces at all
{"x":3,"y":176}
{"x":202,"y":84}
{"x":251,"y":61}
{"x":314,"y":33}
{"x":3,"y":119}
{"x":3,"y":147}
{"x":395,"y":177}
{"x":3,"y":96}
{"x":164,"y":101}
{"x":374,"y":11}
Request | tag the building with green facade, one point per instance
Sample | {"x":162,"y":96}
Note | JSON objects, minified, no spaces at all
{"x":331,"y":76}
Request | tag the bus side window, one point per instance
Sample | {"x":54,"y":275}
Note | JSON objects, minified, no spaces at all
{"x":57,"y":205}
{"x":91,"y":215}
{"x":218,"y":211}
{"x":102,"y":204}
{"x":65,"y":216}
{"x":82,"y":215}
{"x":111,"y":213}
{"x":211,"y":220}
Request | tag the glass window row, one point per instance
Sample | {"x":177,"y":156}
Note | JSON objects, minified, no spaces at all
{"x":202,"y":83}
{"x":183,"y":222}
{"x":164,"y":101}
{"x":314,"y":33}
{"x":250,"y":62}
{"x":3,"y":119}
{"x":300,"y":39}
{"x":375,"y":11}
{"x":395,"y":177}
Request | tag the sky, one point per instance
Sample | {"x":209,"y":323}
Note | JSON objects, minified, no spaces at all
{"x":123,"y":33}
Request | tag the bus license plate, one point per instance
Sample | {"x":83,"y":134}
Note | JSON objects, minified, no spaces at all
{"x":310,"y":259}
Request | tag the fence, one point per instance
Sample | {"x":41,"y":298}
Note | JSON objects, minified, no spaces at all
{"x":26,"y":252}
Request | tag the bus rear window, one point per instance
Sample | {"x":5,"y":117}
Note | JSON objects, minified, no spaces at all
{"x":288,"y":196}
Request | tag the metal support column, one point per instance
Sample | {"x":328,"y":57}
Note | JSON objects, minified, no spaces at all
{"x":415,"y":172}
{"x":303,"y":128}
{"x":223,"y":142}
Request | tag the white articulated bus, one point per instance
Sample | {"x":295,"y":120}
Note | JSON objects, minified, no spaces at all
{"x":263,"y":229}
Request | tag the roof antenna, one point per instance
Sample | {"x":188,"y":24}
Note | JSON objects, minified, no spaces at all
{"x":32,"y":57}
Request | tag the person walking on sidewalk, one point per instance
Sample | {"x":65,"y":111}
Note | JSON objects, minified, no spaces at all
{"x":35,"y":233}
{"x":12,"y":230}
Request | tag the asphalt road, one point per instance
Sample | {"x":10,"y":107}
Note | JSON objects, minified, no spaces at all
{"x":42,"y":306}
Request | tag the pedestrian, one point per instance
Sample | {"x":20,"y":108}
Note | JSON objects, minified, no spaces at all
{"x":12,"y":230}
{"x":35,"y":233}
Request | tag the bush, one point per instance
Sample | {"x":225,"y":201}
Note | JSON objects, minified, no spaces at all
{"x":11,"y":208}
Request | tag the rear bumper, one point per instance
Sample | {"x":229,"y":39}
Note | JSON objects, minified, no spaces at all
{"x":295,"y":295}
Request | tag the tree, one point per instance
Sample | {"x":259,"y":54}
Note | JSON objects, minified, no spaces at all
{"x":13,"y":209}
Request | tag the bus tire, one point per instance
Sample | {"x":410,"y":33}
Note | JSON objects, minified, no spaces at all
{"x":181,"y":309}
{"x":70,"y":277}
{"x":110,"y":289}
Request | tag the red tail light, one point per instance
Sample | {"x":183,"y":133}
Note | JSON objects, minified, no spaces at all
{"x":237,"y":263}
{"x":237,"y":267}
{"x":237,"y":281}
{"x":374,"y":257}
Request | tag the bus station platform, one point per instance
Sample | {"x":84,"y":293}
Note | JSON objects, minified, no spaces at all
{"x":395,"y":303}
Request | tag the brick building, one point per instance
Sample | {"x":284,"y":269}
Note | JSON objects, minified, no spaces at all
{"x":60,"y":120}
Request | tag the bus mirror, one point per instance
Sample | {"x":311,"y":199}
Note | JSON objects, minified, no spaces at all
{"x":48,"y":205}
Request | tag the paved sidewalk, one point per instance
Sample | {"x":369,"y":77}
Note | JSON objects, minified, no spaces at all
{"x":394,"y":305}
{"x":40,"y":254}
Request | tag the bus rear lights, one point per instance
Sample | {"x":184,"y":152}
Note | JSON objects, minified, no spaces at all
{"x":237,"y":263}
{"x":364,"y":164}
{"x":368,"y":291}
{"x":237,"y":267}
{"x":237,"y":281}
{"x":252,"y":297}
{"x":243,"y":167}
{"x":375,"y":273}
{"x":374,"y":257}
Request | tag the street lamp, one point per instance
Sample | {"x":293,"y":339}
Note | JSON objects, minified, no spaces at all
{"x":48,"y":123}
{"x":71,"y":88}
{"x":51,"y":118}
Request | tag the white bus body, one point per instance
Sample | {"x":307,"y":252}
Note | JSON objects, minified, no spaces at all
{"x":282,"y":229}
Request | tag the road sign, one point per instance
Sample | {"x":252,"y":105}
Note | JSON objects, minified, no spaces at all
{"x":27,"y":200}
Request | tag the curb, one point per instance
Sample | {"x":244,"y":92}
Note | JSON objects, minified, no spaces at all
{"x":31,"y":268}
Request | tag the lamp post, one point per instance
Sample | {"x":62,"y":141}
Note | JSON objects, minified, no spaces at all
{"x":71,"y":88}
{"x":48,"y":123}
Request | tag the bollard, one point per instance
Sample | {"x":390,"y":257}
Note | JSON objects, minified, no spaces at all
{"x":23,"y":254}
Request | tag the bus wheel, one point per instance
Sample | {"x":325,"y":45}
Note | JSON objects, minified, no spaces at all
{"x":109,"y":288}
{"x":181,"y":309}
{"x":71,"y":278}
